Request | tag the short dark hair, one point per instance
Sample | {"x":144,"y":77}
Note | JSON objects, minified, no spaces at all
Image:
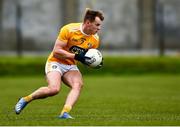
{"x":92,"y":14}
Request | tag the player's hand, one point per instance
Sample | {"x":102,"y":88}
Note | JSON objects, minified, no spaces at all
{"x":100,"y":65}
{"x":82,"y":58}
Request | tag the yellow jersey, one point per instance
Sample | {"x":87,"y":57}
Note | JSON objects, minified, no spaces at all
{"x":76,"y":39}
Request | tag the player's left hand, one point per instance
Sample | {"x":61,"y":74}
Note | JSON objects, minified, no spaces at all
{"x":100,"y":65}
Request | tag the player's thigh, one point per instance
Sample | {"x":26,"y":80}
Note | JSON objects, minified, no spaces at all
{"x":73,"y":78}
{"x":54,"y":79}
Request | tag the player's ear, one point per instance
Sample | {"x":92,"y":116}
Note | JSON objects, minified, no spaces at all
{"x":88,"y":22}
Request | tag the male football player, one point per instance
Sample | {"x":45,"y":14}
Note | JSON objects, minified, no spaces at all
{"x":71,"y":45}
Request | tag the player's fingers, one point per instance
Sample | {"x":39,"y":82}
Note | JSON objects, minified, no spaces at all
{"x":87,"y":58}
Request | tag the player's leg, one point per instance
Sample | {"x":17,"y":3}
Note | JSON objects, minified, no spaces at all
{"x":54,"y":81}
{"x":74,"y":80}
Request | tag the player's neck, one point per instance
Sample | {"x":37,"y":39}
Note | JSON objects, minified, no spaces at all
{"x":84,"y":30}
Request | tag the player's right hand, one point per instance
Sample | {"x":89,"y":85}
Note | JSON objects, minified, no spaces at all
{"x":82,"y":58}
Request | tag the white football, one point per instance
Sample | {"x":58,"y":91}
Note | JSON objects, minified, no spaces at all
{"x":96,"y":57}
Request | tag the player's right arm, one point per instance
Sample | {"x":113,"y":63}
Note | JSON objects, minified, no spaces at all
{"x":59,"y":52}
{"x":60,"y":44}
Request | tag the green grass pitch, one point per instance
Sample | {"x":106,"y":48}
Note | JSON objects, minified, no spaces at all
{"x":106,"y":100}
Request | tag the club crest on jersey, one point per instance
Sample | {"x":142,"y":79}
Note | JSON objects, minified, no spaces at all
{"x":89,"y":45}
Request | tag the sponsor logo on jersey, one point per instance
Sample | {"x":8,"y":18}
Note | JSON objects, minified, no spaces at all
{"x":77,"y":50}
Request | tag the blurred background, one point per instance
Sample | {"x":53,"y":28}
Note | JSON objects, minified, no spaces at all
{"x":130,"y":26}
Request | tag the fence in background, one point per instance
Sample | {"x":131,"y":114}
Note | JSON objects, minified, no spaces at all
{"x":140,"y":25}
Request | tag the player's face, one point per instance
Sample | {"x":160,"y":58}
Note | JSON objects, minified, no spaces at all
{"x":94,"y":27}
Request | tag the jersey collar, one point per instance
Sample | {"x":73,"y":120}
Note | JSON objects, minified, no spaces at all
{"x":82,"y":30}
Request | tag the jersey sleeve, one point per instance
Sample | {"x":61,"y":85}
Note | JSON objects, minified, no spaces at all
{"x":96,"y":45}
{"x":97,"y":42}
{"x":64,"y":34}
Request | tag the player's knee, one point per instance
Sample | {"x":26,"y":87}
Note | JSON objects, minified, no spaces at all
{"x":54,"y":90}
{"x":77,"y":85}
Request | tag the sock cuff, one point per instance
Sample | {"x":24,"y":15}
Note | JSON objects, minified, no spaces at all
{"x":28,"y":98}
{"x":68,"y":106}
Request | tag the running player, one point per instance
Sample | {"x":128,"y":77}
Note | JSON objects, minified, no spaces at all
{"x":71,"y":45}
